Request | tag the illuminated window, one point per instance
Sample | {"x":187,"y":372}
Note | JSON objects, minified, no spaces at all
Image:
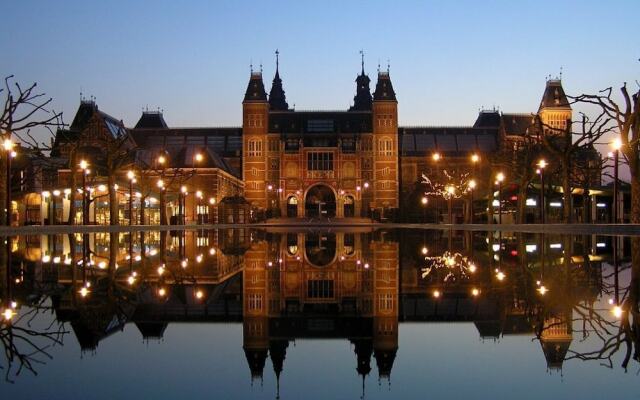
{"x":385,"y":147}
{"x":254,"y":302}
{"x":320,"y":161}
{"x":385,"y":302}
{"x":255,"y":148}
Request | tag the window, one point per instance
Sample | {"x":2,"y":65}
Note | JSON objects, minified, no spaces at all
{"x":254,"y":120}
{"x":320,"y":161}
{"x":275,"y":164}
{"x":254,"y":302}
{"x":385,"y":120}
{"x":385,"y":302}
{"x":367,"y":144}
{"x":255,"y":148}
{"x":386,"y":171}
{"x":385,"y":147}
{"x":320,"y":289}
{"x":254,"y":171}
{"x":274,"y":145}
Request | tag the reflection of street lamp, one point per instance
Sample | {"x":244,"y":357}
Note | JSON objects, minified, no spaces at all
{"x":424,"y":202}
{"x":181,"y":203}
{"x":615,"y":145}
{"x":499,"y":179}
{"x":542,"y":164}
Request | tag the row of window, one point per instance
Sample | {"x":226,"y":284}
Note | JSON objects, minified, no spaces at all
{"x":385,"y":146}
{"x":320,"y":161}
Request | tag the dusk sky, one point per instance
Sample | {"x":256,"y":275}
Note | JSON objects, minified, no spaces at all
{"x":448,"y":59}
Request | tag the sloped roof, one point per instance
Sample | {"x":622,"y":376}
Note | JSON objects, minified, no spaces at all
{"x":554,"y":96}
{"x":320,"y":122}
{"x":255,"y":88}
{"x":184,"y":156}
{"x":226,"y":142}
{"x":151,"y":119}
{"x":384,"y":88}
{"x":487,"y":119}
{"x":452,"y":140}
{"x":517,"y":124}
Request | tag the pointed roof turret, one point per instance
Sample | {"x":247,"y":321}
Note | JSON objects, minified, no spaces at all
{"x":362,"y":100}
{"x":384,"y":88}
{"x":277,"y":99}
{"x":151,"y":120}
{"x":554,"y":96}
{"x":255,"y":88}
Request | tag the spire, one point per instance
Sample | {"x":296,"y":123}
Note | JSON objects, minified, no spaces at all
{"x":362,"y":99}
{"x":384,"y":88}
{"x":255,"y":88}
{"x":277,"y":98}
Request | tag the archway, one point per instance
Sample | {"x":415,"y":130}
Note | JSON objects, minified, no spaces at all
{"x":292,"y":207}
{"x":320,"y":201}
{"x":320,"y":248}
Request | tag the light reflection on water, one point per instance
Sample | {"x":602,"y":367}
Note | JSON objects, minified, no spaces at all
{"x":338,"y":314}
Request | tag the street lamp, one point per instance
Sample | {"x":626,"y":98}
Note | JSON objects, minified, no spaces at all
{"x":199,"y":157}
{"x":132,"y":179}
{"x":181,"y":203}
{"x":499,"y":179}
{"x":542,"y":164}
{"x":436,"y":156}
{"x":84,"y":166}
{"x":199,"y":211}
{"x":8,"y":147}
{"x":616,"y":145}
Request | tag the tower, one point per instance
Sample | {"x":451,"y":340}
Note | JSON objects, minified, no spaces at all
{"x":385,"y":142}
{"x":554,"y":110}
{"x":362,"y":100}
{"x":277,"y":98}
{"x":255,"y":122}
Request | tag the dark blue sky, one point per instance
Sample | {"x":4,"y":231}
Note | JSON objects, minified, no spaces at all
{"x":448,"y":59}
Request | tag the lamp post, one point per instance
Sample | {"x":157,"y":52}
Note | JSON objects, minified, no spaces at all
{"x":616,"y":145}
{"x":499,"y":179}
{"x":542,"y":164}
{"x":85,"y":170}
{"x":436,"y":157}
{"x":182,"y":204}
{"x":199,"y":210}
{"x":8,"y":148}
{"x":132,"y":179}
{"x":472,"y":185}
{"x":451,"y":191}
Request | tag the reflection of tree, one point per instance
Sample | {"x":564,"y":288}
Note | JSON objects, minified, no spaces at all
{"x":456,"y":267}
{"x":24,"y":346}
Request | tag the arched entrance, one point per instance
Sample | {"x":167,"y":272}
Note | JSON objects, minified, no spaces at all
{"x":292,"y":207}
{"x":320,"y":202}
{"x":349,"y":207}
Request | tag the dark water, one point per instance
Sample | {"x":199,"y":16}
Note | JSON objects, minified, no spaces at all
{"x":243,"y":314}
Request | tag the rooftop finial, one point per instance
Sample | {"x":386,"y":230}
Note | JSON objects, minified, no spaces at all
{"x":277,"y":60}
{"x":260,"y":67}
{"x":251,"y":65}
{"x":362,"y":60}
{"x":388,"y":65}
{"x":378,"y":65}
{"x":561,"y":72}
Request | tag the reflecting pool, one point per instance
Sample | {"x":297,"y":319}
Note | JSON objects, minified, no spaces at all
{"x":319,"y":314}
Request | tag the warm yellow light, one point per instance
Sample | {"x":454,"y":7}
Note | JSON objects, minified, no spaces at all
{"x":199,"y":194}
{"x":500,"y":276}
{"x":542,"y":164}
{"x":102,"y":188}
{"x":212,"y":251}
{"x":616,"y":144}
{"x":472,"y":184}
{"x":475,"y":292}
{"x":199,"y":157}
{"x":161,"y":159}
{"x":160,"y":270}
{"x":500,"y":177}
{"x":451,"y":190}
{"x":436,"y":156}
{"x":183,"y":189}
{"x":131,"y":175}
{"x":366,"y":185}
{"x":45,"y":194}
{"x":475,"y":158}
{"x":199,"y":294}
{"x":162,"y":292}
{"x":617,"y":311}
{"x":436,"y":294}
{"x":8,"y":144}
{"x":8,"y":314}
{"x":84,"y":292}
{"x":425,"y":250}
{"x":542,"y":290}
{"x":425,"y":200}
{"x":131,"y":280}
{"x":199,"y":258}
{"x":56,"y":192}
{"x":184,"y":263}
{"x":84,"y":164}
{"x":212,"y":200}
{"x":160,"y":183}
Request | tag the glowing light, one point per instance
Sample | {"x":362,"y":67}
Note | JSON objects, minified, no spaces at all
{"x":436,"y":294}
{"x":184,"y":263}
{"x":475,"y":292}
{"x":160,"y":183}
{"x":162,"y":292}
{"x":500,"y":276}
{"x":500,"y":177}
{"x":436,"y":156}
{"x":424,"y":200}
{"x":56,"y":260}
{"x":555,"y":246}
{"x":616,"y":144}
{"x":425,"y":250}
{"x":131,"y":175}
{"x":199,"y":157}
{"x":212,"y":201}
{"x":366,"y":266}
{"x":161,"y":159}
{"x":451,"y":190}
{"x":495,"y":247}
{"x":542,"y":290}
{"x":199,"y":294}
{"x":160,"y":271}
{"x":84,"y":292}
{"x":472,"y":268}
{"x":8,"y":314}
{"x":472,"y":184}
{"x":56,"y":192}
{"x":366,"y":185}
{"x":542,"y":164}
{"x":212,"y":251}
{"x":183,"y":189}
{"x":475,"y":158}
{"x":617,"y":311}
{"x":131,"y":280}
{"x":199,"y":194}
{"x":102,"y":265}
{"x":45,"y":194}
{"x":555,"y":204}
{"x":46,"y":259}
{"x":358,"y":188}
{"x":67,"y":192}
{"x":8,"y":144}
{"x":531,"y":202}
{"x":530,"y":248}
{"x":269,"y":187}
{"x":102,"y":188}
{"x":600,"y":244}
{"x":199,"y":258}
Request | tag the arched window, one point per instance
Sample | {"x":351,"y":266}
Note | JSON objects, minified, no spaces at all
{"x":385,"y":147}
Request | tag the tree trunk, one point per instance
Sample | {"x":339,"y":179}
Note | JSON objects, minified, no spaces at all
{"x":3,"y":187}
{"x":635,"y":200}
{"x":142,"y":209}
{"x":163,"y":211}
{"x":522,"y":202}
{"x":113,"y":202}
